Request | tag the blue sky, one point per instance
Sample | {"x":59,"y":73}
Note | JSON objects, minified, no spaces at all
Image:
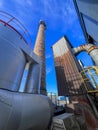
{"x":61,"y":19}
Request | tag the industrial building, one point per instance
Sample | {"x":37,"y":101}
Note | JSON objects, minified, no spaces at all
{"x":67,"y":69}
{"x":32,"y":109}
{"x":86,"y":103}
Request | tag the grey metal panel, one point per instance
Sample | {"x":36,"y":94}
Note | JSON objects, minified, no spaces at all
{"x":28,"y":111}
{"x":4,"y":113}
{"x":14,"y":48}
{"x":91,"y":27}
{"x":81,"y":21}
{"x":10,"y":35}
{"x":33,"y":79}
{"x":12,"y":63}
{"x":88,"y":15}
{"x":89,"y":8}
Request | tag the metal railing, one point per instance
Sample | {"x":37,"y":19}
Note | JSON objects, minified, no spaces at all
{"x":16,"y":25}
{"x":90,"y":79}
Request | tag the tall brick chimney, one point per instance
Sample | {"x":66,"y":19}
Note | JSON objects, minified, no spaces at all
{"x":39,"y":49}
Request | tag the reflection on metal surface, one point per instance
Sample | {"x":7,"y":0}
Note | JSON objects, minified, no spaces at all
{"x":33,"y":79}
{"x":12,"y":64}
{"x":23,"y":111}
{"x":20,"y":111}
{"x":87,"y":11}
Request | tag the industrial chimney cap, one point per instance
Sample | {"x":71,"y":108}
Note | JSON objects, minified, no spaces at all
{"x":42,"y":22}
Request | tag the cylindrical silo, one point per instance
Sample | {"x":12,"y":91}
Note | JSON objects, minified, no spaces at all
{"x":12,"y":64}
{"x":39,"y":49}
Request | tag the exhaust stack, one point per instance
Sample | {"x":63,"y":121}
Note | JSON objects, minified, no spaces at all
{"x":39,"y":50}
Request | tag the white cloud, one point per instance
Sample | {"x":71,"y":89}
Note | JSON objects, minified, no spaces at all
{"x":1,"y":3}
{"x":48,"y":70}
{"x":56,"y":14}
{"x":29,"y":2}
{"x":60,"y":12}
{"x":48,"y":56}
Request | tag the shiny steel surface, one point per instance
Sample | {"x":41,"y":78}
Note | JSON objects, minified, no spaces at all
{"x":12,"y":64}
{"x":22,"y":111}
{"x":14,"y":54}
{"x":87,"y":11}
{"x":33,"y":79}
{"x":9,"y":35}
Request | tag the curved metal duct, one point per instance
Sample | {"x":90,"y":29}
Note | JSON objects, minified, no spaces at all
{"x":90,"y":48}
{"x":22,"y":111}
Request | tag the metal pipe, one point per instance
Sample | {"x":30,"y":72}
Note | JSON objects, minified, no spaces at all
{"x":90,"y":48}
{"x":22,"y":111}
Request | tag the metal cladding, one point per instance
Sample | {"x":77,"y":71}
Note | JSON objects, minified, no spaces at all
{"x":20,"y":111}
{"x":14,"y":55}
{"x":12,"y":62}
{"x":39,"y":50}
{"x":87,"y":11}
{"x":23,"y":111}
{"x":90,"y":48}
{"x":67,"y":69}
{"x":33,"y":82}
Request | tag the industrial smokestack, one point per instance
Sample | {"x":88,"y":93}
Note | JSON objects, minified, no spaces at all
{"x":39,"y":50}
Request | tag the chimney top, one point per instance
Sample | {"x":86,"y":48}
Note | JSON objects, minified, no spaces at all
{"x":42,"y":22}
